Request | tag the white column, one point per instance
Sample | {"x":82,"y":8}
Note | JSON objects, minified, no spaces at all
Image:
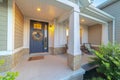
{"x":56,"y":32}
{"x":11,"y":19}
{"x":74,"y":34}
{"x":105,"y":34}
{"x":74,"y":52}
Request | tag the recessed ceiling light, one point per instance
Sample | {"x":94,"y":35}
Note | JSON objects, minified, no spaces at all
{"x":38,"y":9}
{"x":83,"y":20}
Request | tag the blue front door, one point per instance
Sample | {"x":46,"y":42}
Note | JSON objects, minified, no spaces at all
{"x":38,"y":36}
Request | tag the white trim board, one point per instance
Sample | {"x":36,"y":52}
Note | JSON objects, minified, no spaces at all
{"x":93,"y":18}
{"x":11,"y":52}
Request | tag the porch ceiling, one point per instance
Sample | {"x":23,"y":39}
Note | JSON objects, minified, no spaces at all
{"x":88,"y":21}
{"x":49,"y":9}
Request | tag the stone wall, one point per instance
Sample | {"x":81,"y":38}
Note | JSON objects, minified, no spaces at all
{"x":59,"y":50}
{"x":7,"y":63}
{"x":10,"y":61}
{"x":19,"y":56}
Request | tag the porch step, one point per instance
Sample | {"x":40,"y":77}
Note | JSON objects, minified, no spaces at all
{"x":89,"y":66}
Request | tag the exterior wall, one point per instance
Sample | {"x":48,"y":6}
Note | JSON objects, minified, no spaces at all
{"x":19,"y":25}
{"x":57,"y":36}
{"x":15,"y":56}
{"x":114,"y":10}
{"x":3,"y":25}
{"x":95,"y":34}
{"x":51,"y":36}
{"x":84,"y":34}
{"x":60,"y":38}
{"x":26,"y":32}
{"x":19,"y":56}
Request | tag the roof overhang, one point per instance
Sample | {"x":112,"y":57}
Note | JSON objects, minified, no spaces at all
{"x":84,"y":3}
{"x":89,"y":11}
{"x":97,"y":13}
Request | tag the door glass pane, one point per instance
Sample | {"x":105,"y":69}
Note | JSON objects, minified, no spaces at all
{"x":45,"y":38}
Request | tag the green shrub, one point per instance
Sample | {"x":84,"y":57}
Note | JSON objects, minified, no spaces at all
{"x":98,"y":78}
{"x":9,"y":75}
{"x":108,"y":61}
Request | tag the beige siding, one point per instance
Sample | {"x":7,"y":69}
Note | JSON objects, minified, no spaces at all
{"x":3,"y":25}
{"x":95,"y":34}
{"x":19,"y":24}
{"x":114,"y":10}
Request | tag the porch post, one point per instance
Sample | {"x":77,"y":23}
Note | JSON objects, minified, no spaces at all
{"x":105,"y":33}
{"x":11,"y":18}
{"x":74,"y":52}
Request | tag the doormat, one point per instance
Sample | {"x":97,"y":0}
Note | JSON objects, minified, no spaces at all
{"x":36,"y":58}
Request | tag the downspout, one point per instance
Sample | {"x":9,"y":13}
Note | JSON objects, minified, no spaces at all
{"x":113,"y":31}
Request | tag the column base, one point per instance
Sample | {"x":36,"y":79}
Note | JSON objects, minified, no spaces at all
{"x":7,"y":65}
{"x":57,"y":51}
{"x":74,"y":61}
{"x":10,"y":61}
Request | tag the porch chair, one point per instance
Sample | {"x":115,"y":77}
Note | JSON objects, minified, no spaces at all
{"x":86,"y":48}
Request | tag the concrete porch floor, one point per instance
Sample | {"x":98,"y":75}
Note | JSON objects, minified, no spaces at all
{"x":52,"y":67}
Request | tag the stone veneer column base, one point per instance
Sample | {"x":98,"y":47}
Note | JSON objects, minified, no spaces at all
{"x":19,"y":56}
{"x":10,"y":61}
{"x":56,"y":51}
{"x":74,"y":61}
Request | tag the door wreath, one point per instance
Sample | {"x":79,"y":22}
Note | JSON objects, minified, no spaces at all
{"x":37,"y":35}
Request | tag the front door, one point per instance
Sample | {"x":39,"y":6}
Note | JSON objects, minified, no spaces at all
{"x":38,"y":36}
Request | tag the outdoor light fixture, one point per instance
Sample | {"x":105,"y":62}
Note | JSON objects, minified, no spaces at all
{"x":67,"y":32}
{"x":50,"y":26}
{"x":38,"y":9}
{"x":83,"y":20}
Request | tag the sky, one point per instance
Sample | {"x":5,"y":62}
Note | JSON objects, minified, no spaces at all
{"x":98,"y":2}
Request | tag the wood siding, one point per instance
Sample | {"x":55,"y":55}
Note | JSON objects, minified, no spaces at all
{"x":95,"y":34}
{"x":3,"y":25}
{"x":19,"y":25}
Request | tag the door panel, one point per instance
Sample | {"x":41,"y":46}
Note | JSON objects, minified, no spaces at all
{"x":38,"y":36}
